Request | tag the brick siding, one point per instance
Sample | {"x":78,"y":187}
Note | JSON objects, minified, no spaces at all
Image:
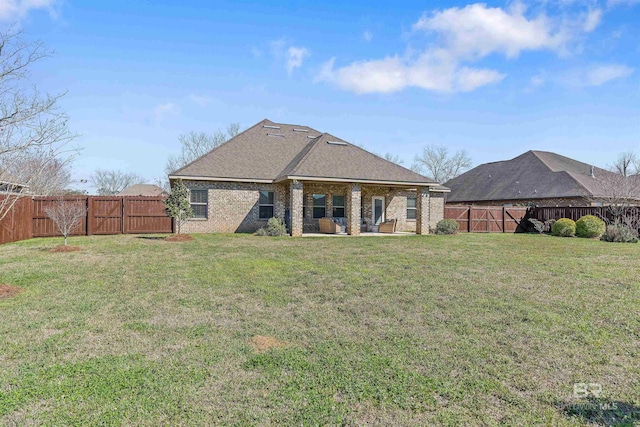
{"x":233,"y":207}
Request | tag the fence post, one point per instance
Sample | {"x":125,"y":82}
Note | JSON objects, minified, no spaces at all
{"x":504,"y":213}
{"x":122,"y":222}
{"x":90,"y":220}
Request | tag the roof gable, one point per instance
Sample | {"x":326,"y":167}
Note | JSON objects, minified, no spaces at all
{"x":270,"y":151}
{"x":331,"y":157}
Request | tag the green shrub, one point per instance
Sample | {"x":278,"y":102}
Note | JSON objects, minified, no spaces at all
{"x":564,"y":227}
{"x":447,"y":226}
{"x":275,"y":227}
{"x":619,"y":233}
{"x":590,"y":226}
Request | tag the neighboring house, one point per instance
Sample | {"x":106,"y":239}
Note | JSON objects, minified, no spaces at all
{"x":143,"y":190}
{"x":7,"y":187}
{"x":535,"y":178}
{"x":300,"y":175}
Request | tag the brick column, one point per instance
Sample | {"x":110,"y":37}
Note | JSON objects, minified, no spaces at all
{"x":422,"y":211}
{"x":280,"y":194}
{"x":296,"y":207}
{"x":354,"y":201}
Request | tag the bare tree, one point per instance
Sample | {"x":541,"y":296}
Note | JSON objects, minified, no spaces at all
{"x":617,"y":193}
{"x":112,"y":182}
{"x":393,"y":158}
{"x":31,"y":123}
{"x":627,"y":164}
{"x":197,"y":144}
{"x":67,"y":215}
{"x":46,"y":176}
{"x":436,"y":162}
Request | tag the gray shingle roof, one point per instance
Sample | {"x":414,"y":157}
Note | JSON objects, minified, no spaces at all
{"x":532,"y":175}
{"x":142,"y":190}
{"x":272,"y":152}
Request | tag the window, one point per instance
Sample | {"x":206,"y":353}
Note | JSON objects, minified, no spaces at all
{"x":199,"y":200}
{"x":411,"y":206}
{"x":319,"y":205}
{"x":338,"y":206}
{"x":265,"y":204}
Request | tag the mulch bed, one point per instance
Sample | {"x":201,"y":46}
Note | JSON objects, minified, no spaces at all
{"x":264,"y":343}
{"x":179,"y":238}
{"x":7,"y":291}
{"x":63,"y":248}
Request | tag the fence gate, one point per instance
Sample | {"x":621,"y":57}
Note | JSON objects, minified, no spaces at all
{"x":145,"y":215}
{"x":104,"y":215}
{"x":486,"y":219}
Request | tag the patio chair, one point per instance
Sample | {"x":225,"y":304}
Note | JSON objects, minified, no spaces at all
{"x":327,"y":226}
{"x":388,"y":226}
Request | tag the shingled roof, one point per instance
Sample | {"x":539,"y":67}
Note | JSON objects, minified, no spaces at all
{"x":274,"y":152}
{"x":143,"y":190}
{"x":532,"y":175}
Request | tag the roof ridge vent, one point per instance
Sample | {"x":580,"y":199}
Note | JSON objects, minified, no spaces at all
{"x":337,"y":143}
{"x":300,"y":130}
{"x":276,"y":134}
{"x":270,"y":127}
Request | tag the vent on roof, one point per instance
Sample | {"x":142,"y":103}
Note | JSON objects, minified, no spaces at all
{"x":276,"y":134}
{"x":270,"y":127}
{"x":311,"y":136}
{"x":300,"y":130}
{"x":336,"y":143}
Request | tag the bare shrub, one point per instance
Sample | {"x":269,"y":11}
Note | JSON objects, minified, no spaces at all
{"x":67,"y":214}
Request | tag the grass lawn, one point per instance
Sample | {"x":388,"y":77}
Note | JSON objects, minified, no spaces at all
{"x":435,"y":330}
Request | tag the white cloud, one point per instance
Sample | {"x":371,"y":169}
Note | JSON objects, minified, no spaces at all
{"x":613,"y":3}
{"x":462,"y":36}
{"x":592,"y":20}
{"x":430,"y":71}
{"x":292,"y":56}
{"x":295,"y":56}
{"x":13,"y":10}
{"x":537,"y":81}
{"x":601,"y":74}
{"x":200,"y":100}
{"x":161,"y":111}
{"x":367,"y":36}
{"x":476,"y":31}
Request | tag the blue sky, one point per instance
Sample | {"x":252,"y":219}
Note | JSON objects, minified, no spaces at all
{"x":494,"y":78}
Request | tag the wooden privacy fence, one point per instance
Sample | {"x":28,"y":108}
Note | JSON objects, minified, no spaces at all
{"x":16,"y":225}
{"x":577,"y":212}
{"x":105,"y":215}
{"x":486,"y":219}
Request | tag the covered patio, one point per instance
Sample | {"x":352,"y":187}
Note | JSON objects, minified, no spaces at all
{"x":358,"y":208}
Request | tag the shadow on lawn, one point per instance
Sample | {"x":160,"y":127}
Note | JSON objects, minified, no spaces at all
{"x":151,"y":237}
{"x":603,"y":412}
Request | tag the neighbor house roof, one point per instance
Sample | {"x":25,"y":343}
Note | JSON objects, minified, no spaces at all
{"x":143,"y":190}
{"x":532,"y":175}
{"x":273,"y":152}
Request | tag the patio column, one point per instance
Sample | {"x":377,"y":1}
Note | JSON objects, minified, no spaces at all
{"x":296,"y":208}
{"x":422,"y":210}
{"x":354,"y":201}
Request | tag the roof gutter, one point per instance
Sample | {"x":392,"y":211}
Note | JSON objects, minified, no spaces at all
{"x":223,"y":179}
{"x":362,"y":181}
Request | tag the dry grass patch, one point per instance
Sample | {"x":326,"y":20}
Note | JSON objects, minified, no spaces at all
{"x":7,"y":291}
{"x":179,"y":238}
{"x":262,"y":343}
{"x":63,"y":248}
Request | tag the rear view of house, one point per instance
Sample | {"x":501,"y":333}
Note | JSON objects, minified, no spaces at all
{"x":301,"y":175}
